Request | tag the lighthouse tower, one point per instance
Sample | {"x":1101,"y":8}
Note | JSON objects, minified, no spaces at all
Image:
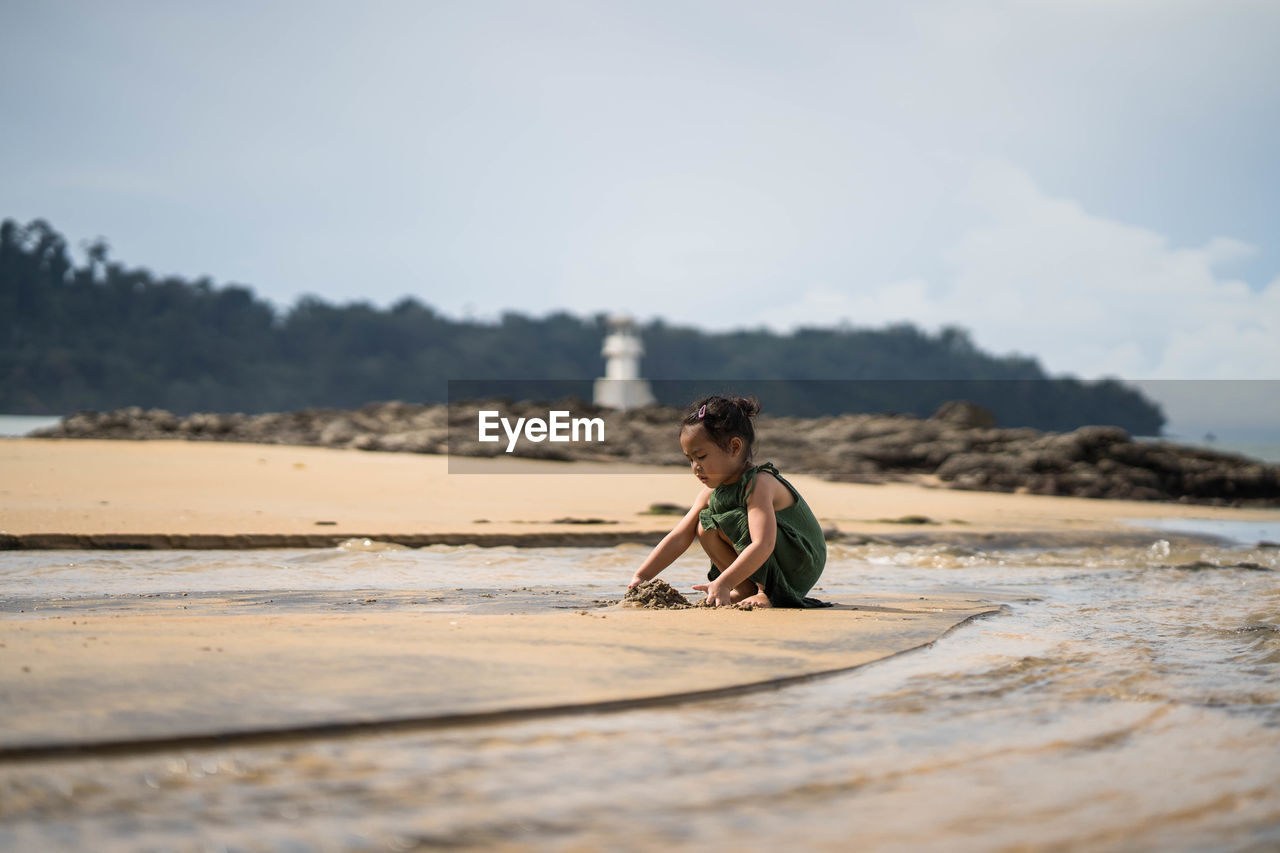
{"x":621,"y":386}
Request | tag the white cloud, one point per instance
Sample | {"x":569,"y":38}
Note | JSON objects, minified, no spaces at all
{"x":1086,"y":294}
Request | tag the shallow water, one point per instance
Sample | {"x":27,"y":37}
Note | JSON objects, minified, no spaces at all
{"x":1122,"y":703}
{"x":15,"y":426}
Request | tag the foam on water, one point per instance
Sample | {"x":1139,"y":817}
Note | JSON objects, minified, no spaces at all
{"x":1130,"y":699}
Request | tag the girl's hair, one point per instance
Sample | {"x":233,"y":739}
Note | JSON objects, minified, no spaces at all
{"x":724,"y":419}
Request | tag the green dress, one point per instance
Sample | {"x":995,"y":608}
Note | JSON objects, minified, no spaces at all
{"x":799,"y":552}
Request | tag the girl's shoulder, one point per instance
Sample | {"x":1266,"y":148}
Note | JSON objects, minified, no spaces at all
{"x":766,"y":472}
{"x":785,"y":494}
{"x":768,"y":469}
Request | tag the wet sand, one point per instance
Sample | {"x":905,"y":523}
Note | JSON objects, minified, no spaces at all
{"x":131,"y":674}
{"x":159,"y":494}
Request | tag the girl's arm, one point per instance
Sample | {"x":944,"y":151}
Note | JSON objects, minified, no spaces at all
{"x":673,"y":544}
{"x":763,"y":525}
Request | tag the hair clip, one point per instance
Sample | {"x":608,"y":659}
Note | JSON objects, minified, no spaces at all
{"x":702,"y":413}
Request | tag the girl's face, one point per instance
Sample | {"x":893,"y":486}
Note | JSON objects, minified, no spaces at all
{"x":712,"y":464}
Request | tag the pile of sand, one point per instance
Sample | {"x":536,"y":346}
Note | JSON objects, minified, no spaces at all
{"x":655,"y":595}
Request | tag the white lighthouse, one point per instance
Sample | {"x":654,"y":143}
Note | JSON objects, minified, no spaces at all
{"x":621,"y":386}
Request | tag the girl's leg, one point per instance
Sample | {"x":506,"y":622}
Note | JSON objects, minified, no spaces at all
{"x":722,"y":554}
{"x":718,"y":548}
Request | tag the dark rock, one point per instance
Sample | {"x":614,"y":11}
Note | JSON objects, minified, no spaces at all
{"x":962,"y":413}
{"x":666,"y":509}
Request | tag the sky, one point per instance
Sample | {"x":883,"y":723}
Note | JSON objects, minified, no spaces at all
{"x":1091,"y":182}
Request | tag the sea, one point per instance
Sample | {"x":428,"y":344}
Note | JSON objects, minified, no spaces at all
{"x":16,"y":426}
{"x":1126,"y":698}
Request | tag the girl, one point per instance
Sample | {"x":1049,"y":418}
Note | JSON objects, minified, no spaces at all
{"x":765,"y":545}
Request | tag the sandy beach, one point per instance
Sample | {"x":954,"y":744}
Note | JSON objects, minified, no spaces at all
{"x":176,"y":493}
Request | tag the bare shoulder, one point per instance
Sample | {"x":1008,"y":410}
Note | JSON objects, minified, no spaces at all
{"x":770,"y":489}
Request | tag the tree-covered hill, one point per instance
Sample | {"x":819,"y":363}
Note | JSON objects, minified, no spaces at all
{"x":98,"y":335}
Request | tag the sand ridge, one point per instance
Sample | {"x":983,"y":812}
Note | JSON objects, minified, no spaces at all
{"x":177,"y":669}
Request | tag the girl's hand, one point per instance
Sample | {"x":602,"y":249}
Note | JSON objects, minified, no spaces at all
{"x":636,"y":581}
{"x":717,"y":596}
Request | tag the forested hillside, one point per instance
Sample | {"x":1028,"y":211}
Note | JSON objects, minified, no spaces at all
{"x":99,"y":335}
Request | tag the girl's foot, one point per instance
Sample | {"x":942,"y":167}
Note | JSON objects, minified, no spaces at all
{"x":755,"y":602}
{"x":743,"y":591}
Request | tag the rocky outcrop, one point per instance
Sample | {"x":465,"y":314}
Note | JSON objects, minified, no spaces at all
{"x":959,"y":446}
{"x":381,"y":426}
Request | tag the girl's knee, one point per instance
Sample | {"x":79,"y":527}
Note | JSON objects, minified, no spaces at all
{"x":710,"y":535}
{"x":720,"y":551}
